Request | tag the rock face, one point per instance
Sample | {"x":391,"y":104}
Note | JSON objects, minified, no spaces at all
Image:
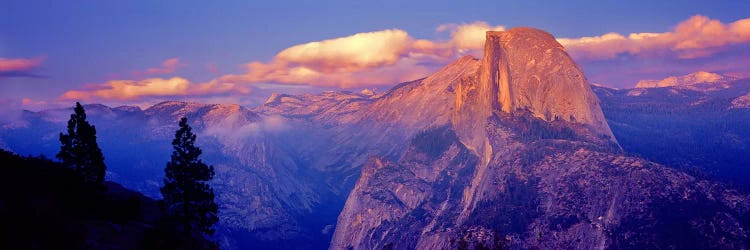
{"x":531,"y":71}
{"x":528,"y":161}
{"x":525,"y":70}
{"x":537,"y":192}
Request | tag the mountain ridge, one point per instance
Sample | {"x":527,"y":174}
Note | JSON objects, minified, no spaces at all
{"x":699,"y":80}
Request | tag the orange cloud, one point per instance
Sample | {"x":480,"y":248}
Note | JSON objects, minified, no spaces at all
{"x":467,"y":37}
{"x":169,"y":66}
{"x":33,"y":104}
{"x":27,"y":101}
{"x":19,"y":64}
{"x":129,"y":90}
{"x":279,"y":72}
{"x":699,"y":36}
{"x":351,"y":53}
{"x":363,"y":59}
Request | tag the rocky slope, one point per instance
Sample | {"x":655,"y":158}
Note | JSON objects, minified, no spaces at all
{"x":511,"y":170}
{"x":538,"y":192}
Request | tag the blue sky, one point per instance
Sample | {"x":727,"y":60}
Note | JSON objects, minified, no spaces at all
{"x":92,"y":42}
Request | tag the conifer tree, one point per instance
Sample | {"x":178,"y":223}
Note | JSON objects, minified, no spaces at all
{"x":79,"y":149}
{"x":187,"y":194}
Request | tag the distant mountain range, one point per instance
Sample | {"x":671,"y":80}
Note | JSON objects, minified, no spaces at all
{"x":700,"y":81}
{"x":516,"y":150}
{"x":700,"y":128}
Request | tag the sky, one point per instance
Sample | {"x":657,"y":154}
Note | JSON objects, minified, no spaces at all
{"x":53,"y":53}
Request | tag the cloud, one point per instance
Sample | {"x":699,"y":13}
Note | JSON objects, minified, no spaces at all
{"x":211,"y":67}
{"x":365,"y":59}
{"x":391,"y":56}
{"x":19,"y":67}
{"x":169,"y":66}
{"x":467,"y":37}
{"x":696,"y":37}
{"x":131,"y":90}
{"x":351,"y":53}
{"x":233,"y":130}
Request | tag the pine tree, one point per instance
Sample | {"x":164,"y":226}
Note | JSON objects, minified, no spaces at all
{"x":79,"y":149}
{"x":187,"y":194}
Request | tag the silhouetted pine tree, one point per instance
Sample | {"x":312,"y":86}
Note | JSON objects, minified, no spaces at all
{"x":79,"y":149}
{"x":188,"y":197}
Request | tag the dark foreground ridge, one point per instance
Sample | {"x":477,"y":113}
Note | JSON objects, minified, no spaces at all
{"x":44,"y":205}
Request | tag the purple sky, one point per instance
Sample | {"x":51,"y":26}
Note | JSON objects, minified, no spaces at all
{"x":140,"y":52}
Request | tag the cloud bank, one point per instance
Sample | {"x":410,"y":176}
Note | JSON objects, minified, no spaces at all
{"x":363,"y":59}
{"x":129,"y":90}
{"x":386,"y":57}
{"x":696,"y":37}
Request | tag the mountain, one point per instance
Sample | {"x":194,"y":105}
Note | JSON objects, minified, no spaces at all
{"x":700,"y":80}
{"x":510,"y":150}
{"x":704,"y":132}
{"x":512,"y":171}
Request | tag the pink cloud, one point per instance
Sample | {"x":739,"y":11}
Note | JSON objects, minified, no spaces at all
{"x":470,"y":36}
{"x":8,"y":65}
{"x":351,"y":53}
{"x":169,"y":66}
{"x":29,"y":103}
{"x":211,"y":67}
{"x":696,"y":37}
{"x":131,"y":90}
{"x":363,"y":59}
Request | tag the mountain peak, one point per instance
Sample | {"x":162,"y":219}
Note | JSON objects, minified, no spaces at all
{"x":524,"y":70}
{"x":527,"y":69}
{"x":534,"y":36}
{"x":534,"y":72}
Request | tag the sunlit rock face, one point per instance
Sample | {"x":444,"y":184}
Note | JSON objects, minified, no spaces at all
{"x":531,"y":71}
{"x":527,"y":70}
